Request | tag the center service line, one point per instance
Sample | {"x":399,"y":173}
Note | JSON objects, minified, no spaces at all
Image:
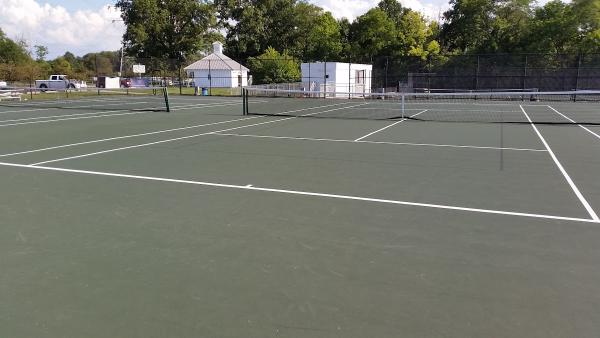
{"x":386,"y":127}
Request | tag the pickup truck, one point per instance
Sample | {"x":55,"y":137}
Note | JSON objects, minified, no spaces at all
{"x":59,"y":82}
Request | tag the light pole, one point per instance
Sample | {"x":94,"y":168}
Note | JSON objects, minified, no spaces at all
{"x":122,"y":50}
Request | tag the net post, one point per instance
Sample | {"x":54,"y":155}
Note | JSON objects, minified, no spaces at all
{"x":247,"y":102}
{"x":243,"y":101}
{"x":166,"y":96}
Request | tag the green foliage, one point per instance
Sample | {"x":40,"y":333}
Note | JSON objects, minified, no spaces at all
{"x":322,"y":40}
{"x":393,"y":9}
{"x":62,"y":66}
{"x":273,"y":67}
{"x":304,"y":30}
{"x":467,"y":24}
{"x":11,"y":51}
{"x":165,"y":28}
{"x":554,"y":29}
{"x":394,"y":31}
{"x":372,"y":34}
{"x":40,"y":52}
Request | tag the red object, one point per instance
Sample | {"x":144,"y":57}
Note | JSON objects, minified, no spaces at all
{"x":126,"y":83}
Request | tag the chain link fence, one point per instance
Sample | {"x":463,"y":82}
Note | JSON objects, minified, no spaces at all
{"x":439,"y":73}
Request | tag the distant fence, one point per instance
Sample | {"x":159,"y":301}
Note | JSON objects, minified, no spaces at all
{"x":484,"y":72}
{"x":494,"y":72}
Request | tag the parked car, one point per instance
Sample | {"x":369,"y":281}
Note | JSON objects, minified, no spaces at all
{"x":59,"y":82}
{"x":126,"y":83}
{"x":3,"y":84}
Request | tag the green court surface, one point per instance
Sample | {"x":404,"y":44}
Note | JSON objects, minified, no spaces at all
{"x":204,"y":222}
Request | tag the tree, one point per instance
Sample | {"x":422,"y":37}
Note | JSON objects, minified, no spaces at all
{"x":415,"y":36}
{"x":467,"y":24}
{"x":510,"y":25}
{"x":61,"y":66}
{"x":554,"y":29}
{"x":246,"y":37}
{"x":318,"y":34}
{"x":588,"y":12}
{"x":372,"y":34}
{"x":344,"y":25}
{"x":40,"y":52}
{"x":304,"y":30}
{"x":393,"y":9}
{"x":11,"y":51}
{"x":165,"y":28}
{"x":274,"y":67}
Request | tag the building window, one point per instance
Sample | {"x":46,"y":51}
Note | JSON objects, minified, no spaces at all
{"x":360,"y":77}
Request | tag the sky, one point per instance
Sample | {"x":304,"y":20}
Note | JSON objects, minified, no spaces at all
{"x":83,"y":26}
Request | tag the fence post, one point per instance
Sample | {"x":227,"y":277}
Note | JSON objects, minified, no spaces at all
{"x":180,"y":80}
{"x":578,"y":71}
{"x":349,"y":80}
{"x":525,"y":73}
{"x":209,"y":79}
{"x":477,"y":75}
{"x":325,"y":79}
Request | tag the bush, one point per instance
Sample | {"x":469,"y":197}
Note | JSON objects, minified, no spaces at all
{"x":274,"y":67}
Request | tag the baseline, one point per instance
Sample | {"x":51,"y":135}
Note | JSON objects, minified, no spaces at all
{"x":304,"y":193}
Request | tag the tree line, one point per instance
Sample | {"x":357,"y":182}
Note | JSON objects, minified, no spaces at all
{"x":19,"y":62}
{"x":269,"y":34}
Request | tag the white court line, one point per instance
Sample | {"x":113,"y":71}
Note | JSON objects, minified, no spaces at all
{"x":570,"y":119}
{"x":71,"y":107}
{"x":45,"y":102}
{"x":126,"y":136}
{"x":375,"y":142}
{"x":106,"y":114}
{"x":24,"y":110}
{"x":133,"y":135}
{"x":102,"y":105}
{"x":49,"y":119}
{"x":388,"y":126}
{"x":195,"y":135}
{"x":66,"y":100}
{"x":304,"y":193}
{"x":59,"y":116}
{"x":582,"y":199}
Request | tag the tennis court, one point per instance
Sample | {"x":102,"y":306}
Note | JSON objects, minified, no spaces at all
{"x":303,"y":217}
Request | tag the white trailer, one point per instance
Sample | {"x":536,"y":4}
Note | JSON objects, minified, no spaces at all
{"x":337,"y":77}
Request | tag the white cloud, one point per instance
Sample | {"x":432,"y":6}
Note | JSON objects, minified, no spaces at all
{"x":80,"y":32}
{"x":352,"y":8}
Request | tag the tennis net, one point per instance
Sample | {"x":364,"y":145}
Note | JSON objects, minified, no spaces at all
{"x":134,"y":99}
{"x":582,"y":106}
